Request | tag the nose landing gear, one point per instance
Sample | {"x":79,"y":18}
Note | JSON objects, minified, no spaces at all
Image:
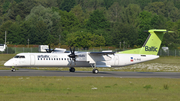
{"x":13,"y":69}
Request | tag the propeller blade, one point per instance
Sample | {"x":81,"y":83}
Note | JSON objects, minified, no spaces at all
{"x":72,"y":55}
{"x":73,"y":50}
{"x":49,"y":49}
{"x":70,"y":50}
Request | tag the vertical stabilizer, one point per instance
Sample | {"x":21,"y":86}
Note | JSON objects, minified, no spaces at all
{"x":152,"y":43}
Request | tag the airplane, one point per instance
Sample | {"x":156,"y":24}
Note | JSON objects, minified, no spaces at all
{"x":72,"y":59}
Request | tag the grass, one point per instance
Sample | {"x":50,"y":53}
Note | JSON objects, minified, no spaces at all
{"x":88,"y":89}
{"x":162,"y":64}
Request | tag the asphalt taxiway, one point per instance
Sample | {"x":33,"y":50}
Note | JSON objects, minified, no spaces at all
{"x":28,"y":72}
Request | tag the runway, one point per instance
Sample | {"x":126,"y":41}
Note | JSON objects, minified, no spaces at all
{"x":27,"y":72}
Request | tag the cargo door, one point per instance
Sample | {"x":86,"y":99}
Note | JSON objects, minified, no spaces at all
{"x":116,"y":60}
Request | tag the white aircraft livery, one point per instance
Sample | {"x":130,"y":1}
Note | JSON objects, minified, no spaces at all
{"x":73,"y":59}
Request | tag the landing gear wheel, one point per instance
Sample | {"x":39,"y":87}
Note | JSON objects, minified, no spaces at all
{"x":13,"y":69}
{"x":72,"y":69}
{"x":95,"y":71}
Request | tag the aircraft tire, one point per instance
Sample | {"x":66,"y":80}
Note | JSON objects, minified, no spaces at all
{"x":72,"y":69}
{"x":95,"y":71}
{"x":13,"y":70}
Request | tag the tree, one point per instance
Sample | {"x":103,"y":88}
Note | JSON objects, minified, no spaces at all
{"x":78,"y":12}
{"x":48,"y":3}
{"x":121,"y":32}
{"x":114,"y":12}
{"x":106,"y":34}
{"x":43,"y":35}
{"x":130,"y":14}
{"x":97,"y":20}
{"x":44,"y":20}
{"x":6,"y":6}
{"x":156,"y":7}
{"x":40,"y":13}
{"x":171,"y":11}
{"x":17,"y":1}
{"x":143,"y":3}
{"x":5,"y":27}
{"x":91,"y":5}
{"x":67,"y":5}
{"x":144,"y":24}
{"x":23,"y":9}
{"x":172,"y":40}
{"x":68,"y":21}
{"x":158,"y":22}
{"x":14,"y":36}
{"x":84,"y":39}
{"x":108,"y":3}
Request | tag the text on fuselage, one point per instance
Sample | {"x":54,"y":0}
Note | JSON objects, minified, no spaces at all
{"x":152,"y":48}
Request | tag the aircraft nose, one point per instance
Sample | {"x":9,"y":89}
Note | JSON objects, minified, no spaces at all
{"x":8,"y":63}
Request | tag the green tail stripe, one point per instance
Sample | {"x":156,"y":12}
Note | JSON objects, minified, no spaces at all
{"x":151,"y":45}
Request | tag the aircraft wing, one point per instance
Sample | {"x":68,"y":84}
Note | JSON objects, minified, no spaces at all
{"x":95,"y":58}
{"x":100,"y":53}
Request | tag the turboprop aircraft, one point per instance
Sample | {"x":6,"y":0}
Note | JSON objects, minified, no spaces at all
{"x":73,"y":59}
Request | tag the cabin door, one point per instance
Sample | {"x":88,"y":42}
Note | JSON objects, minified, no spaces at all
{"x":32,"y":57}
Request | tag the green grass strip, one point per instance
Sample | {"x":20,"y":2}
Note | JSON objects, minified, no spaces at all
{"x":88,"y":89}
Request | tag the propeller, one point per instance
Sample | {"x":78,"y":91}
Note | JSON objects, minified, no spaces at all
{"x":72,"y":55}
{"x":49,"y":50}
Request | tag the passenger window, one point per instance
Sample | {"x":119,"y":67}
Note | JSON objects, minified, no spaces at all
{"x":64,"y":58}
{"x":59,"y":58}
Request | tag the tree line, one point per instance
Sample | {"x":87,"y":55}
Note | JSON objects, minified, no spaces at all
{"x":88,"y":23}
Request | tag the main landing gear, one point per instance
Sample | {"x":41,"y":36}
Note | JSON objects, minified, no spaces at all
{"x":93,"y":65}
{"x":71,"y":69}
{"x":95,"y":71}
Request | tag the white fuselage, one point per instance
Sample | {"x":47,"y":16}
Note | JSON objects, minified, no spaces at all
{"x":62,"y":60}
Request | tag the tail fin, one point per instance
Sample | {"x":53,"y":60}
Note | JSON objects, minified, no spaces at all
{"x":151,"y":45}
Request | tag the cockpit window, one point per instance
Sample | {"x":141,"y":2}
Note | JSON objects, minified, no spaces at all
{"x":16,"y":56}
{"x":19,"y":56}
